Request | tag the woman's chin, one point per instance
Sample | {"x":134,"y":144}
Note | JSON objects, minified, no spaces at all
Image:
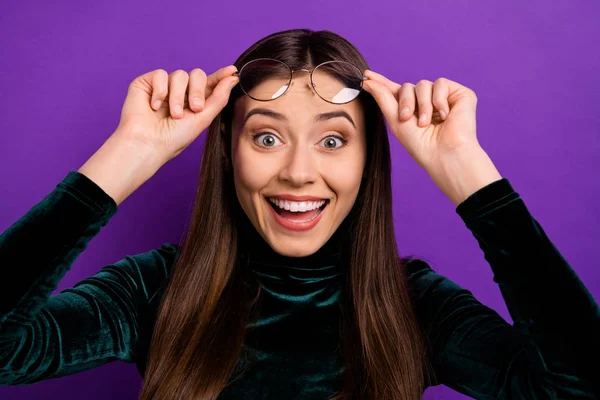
{"x":295,"y":247}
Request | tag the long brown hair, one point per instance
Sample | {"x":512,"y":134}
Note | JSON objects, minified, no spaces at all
{"x":200,"y":327}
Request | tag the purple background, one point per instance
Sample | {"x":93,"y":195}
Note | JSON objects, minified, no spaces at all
{"x":65,"y":71}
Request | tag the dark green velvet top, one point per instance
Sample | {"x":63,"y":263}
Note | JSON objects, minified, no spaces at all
{"x":551,"y":351}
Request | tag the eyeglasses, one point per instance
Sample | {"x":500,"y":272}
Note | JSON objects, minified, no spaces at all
{"x":266,"y":79}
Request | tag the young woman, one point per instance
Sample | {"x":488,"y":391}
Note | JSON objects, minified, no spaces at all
{"x":288,"y":283}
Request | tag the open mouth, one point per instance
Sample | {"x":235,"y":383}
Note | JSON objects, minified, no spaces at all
{"x":298,"y":216}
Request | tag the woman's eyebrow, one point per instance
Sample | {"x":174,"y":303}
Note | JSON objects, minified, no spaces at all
{"x":281,"y":117}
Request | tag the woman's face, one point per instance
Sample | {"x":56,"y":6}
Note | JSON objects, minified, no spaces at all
{"x":297,"y":145}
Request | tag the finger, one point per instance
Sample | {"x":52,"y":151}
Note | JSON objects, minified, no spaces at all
{"x":440,"y":97}
{"x":393,"y":86}
{"x":406,"y":102}
{"x":197,"y":89}
{"x":218,"y":99}
{"x":384,"y":98}
{"x":178,"y":82}
{"x":160,"y":87}
{"x":424,"y":92}
{"x":213,"y":79}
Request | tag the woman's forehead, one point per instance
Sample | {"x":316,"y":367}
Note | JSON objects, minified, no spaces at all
{"x":292,"y":106}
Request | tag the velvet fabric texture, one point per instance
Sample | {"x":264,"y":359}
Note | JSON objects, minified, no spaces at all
{"x":550,"y":352}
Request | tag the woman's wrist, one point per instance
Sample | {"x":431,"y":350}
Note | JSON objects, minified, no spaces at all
{"x":463,"y":173}
{"x":120,"y":167}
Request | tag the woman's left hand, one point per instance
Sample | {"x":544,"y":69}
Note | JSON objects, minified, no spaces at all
{"x":449,"y":116}
{"x":445,"y":146}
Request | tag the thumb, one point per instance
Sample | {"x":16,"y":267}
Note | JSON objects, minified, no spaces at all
{"x":384,"y":98}
{"x":218,"y":98}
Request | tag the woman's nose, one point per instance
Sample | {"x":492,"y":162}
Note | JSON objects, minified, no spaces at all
{"x":300,"y":167}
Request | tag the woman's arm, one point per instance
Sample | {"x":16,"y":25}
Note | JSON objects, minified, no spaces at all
{"x":94,"y":322}
{"x":551,"y":351}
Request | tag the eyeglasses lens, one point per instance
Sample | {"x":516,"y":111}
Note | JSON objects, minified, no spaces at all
{"x":265,"y":79}
{"x":337,"y":82}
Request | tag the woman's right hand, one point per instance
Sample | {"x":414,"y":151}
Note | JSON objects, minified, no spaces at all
{"x":164,"y":128}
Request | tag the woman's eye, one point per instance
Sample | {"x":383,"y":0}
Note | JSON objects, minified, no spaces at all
{"x":333,"y":142}
{"x":268,"y":139}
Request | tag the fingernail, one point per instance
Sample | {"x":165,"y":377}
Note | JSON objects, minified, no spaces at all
{"x":404,"y":112}
{"x":442,"y":114}
{"x":178,"y":109}
{"x":197,"y":102}
{"x":157,"y":104}
{"x":422,"y":117}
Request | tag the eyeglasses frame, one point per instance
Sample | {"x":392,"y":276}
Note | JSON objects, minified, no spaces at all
{"x":312,"y":84}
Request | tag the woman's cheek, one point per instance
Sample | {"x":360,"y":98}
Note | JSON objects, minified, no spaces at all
{"x":344,"y":175}
{"x":253,"y":171}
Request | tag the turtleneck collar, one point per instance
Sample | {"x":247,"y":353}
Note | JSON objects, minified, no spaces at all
{"x":265,"y":263}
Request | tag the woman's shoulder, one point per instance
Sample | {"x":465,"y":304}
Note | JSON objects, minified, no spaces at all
{"x":169,"y":248}
{"x":158,"y":257}
{"x":430,"y":288}
{"x":415,"y":266}
{"x":149,"y":270}
{"x":423,"y":277}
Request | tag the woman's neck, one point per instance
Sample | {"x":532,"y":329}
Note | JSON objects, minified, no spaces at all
{"x":255,"y":250}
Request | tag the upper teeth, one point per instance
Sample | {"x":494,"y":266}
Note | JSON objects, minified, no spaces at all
{"x":297,"y":206}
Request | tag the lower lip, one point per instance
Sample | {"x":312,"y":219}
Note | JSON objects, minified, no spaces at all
{"x":296,"y":226}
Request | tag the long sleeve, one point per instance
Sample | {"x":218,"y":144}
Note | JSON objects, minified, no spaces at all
{"x":91,"y":324}
{"x":553,"y":348}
